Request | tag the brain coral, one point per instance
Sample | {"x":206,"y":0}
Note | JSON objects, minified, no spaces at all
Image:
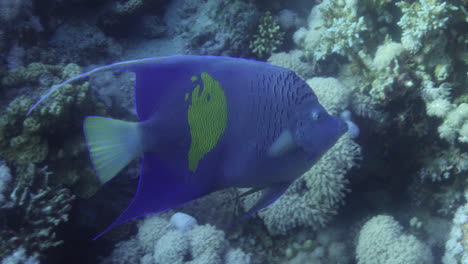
{"x":171,"y":248}
{"x":160,"y":242}
{"x":382,"y":241}
{"x":293,"y":61}
{"x":332,"y":94}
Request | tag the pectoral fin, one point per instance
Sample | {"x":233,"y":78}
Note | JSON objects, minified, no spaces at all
{"x":282,"y":145}
{"x":269,"y":196}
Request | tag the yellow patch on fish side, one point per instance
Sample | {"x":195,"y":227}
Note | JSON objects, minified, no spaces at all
{"x":207,"y":117}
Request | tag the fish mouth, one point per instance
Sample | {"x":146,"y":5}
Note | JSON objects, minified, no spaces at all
{"x":342,"y":127}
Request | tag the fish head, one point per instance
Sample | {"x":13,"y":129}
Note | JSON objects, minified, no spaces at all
{"x":315,"y":130}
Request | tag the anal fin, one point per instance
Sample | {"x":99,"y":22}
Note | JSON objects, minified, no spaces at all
{"x":162,"y":186}
{"x":249,"y":192}
{"x":269,"y":196}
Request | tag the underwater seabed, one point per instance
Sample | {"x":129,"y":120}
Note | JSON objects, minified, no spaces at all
{"x":393,"y":191}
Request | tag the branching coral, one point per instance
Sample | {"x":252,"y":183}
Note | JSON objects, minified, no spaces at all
{"x":32,"y":212}
{"x":334,"y":27}
{"x":395,"y":71}
{"x":455,"y":125}
{"x":449,"y":167}
{"x":40,"y":136}
{"x":23,"y":139}
{"x":341,"y":38}
{"x":268,"y":38}
{"x":423,"y":19}
{"x":456,"y":248}
{"x":424,"y":25}
{"x":455,"y":117}
{"x":341,"y":27}
{"x":444,"y":165}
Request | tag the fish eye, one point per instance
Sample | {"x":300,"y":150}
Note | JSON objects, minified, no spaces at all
{"x":316,"y":116}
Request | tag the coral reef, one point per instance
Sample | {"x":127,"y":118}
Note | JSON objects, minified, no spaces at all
{"x":5,"y":179}
{"x":31,"y":213}
{"x":422,"y":20}
{"x":269,"y":37}
{"x":332,"y":94}
{"x":72,"y":40}
{"x":23,"y":134}
{"x":455,"y":125}
{"x":161,"y":241}
{"x":115,"y":90}
{"x":212,"y":27}
{"x":333,"y":27}
{"x":344,"y":28}
{"x":456,"y":248}
{"x":444,"y":165}
{"x":289,"y":20}
{"x":448,"y":168}
{"x":19,"y":257}
{"x":382,"y":240}
{"x":183,"y":222}
{"x":398,"y":68}
{"x":117,"y":14}
{"x":313,"y":199}
{"x":402,"y":83}
{"x":292,"y":60}
{"x":27,"y":139}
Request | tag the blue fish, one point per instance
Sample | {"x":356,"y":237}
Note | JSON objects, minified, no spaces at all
{"x":207,"y":123}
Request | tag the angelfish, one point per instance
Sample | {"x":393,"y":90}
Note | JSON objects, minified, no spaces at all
{"x":207,"y":123}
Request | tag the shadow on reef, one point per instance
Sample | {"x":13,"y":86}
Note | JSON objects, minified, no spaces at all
{"x":391,"y":158}
{"x":89,"y":217}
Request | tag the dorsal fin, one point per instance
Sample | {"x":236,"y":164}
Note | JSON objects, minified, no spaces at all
{"x":154,"y":81}
{"x":120,"y":65}
{"x":158,"y":73}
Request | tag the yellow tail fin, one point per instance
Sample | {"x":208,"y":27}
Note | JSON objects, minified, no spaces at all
{"x":112,"y":144}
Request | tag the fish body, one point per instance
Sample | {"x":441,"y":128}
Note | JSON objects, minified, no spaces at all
{"x":207,"y":123}
{"x":260,"y":100}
